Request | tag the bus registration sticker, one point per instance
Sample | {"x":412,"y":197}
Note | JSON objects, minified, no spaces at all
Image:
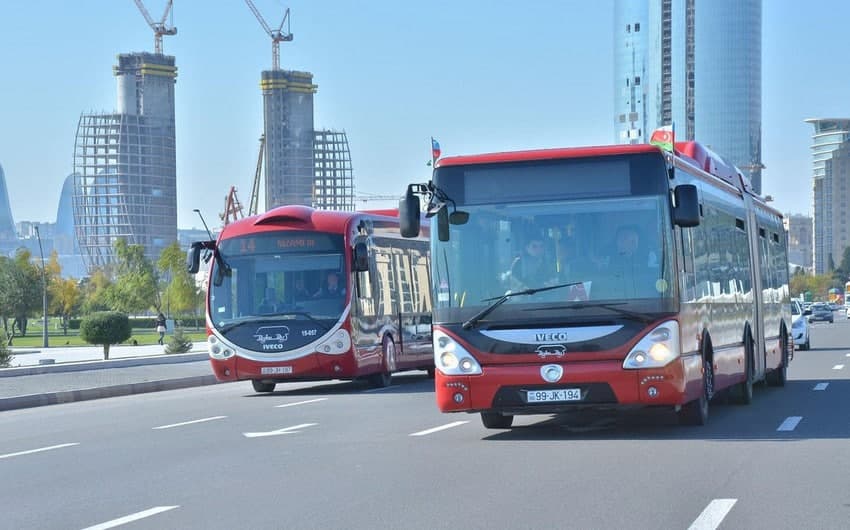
{"x":563,"y":394}
{"x":272,"y":370}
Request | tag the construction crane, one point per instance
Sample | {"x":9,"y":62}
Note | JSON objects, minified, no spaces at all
{"x":277,"y":35}
{"x":255,"y":191}
{"x":159,"y":28}
{"x":365,"y":198}
{"x":232,"y":208}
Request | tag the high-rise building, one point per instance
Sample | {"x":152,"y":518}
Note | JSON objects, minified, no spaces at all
{"x":288,"y":128}
{"x":8,"y":235}
{"x":702,"y":74}
{"x":831,"y":186}
{"x":125,"y":169}
{"x":800,"y":241}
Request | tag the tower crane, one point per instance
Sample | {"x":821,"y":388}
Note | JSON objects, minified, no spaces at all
{"x":277,"y":35}
{"x":159,"y":28}
{"x":255,"y":191}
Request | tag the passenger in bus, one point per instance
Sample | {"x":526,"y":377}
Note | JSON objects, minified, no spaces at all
{"x":299,"y":290}
{"x":331,"y":288}
{"x":267,"y":306}
{"x":531,"y":269}
{"x":631,"y":267}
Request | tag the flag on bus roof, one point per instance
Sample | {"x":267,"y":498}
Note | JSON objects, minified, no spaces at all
{"x":663,"y":137}
{"x":435,"y":149}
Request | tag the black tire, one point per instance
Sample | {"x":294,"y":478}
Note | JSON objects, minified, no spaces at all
{"x":743,"y":391}
{"x":259,"y":386}
{"x":384,"y":378}
{"x":780,"y":375}
{"x":806,"y":345}
{"x":431,"y":372}
{"x":494,"y":420}
{"x":696,"y":412}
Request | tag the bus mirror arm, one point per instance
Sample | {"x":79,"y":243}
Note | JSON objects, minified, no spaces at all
{"x":438,"y":202}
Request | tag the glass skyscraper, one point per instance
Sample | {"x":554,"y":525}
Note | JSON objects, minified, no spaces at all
{"x":831,"y":185}
{"x":703,"y":74}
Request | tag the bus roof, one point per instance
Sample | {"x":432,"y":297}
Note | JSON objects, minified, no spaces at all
{"x":298,"y":217}
{"x":546,"y":154}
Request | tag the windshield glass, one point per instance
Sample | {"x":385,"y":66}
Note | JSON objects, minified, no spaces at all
{"x":280,"y":275}
{"x":616,"y":249}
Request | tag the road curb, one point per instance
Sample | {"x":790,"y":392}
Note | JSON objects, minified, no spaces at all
{"x":102,"y":365}
{"x":70,"y":396}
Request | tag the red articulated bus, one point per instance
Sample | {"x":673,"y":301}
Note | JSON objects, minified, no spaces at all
{"x":601,"y":277}
{"x":298,"y":294}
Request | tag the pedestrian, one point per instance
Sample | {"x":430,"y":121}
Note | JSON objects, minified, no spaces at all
{"x":160,"y":327}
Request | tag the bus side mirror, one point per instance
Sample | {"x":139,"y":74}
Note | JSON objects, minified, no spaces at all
{"x":193,"y":258}
{"x":409,"y":214}
{"x":686,"y":207}
{"x":443,"y":223}
{"x":361,"y":257}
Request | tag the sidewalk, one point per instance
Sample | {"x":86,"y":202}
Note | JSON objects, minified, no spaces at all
{"x":80,"y":373}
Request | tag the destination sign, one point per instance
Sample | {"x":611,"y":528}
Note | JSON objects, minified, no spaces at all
{"x":274,"y":242}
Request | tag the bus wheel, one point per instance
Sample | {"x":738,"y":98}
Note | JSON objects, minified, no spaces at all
{"x":259,"y":386}
{"x":494,"y":420}
{"x":431,"y":372}
{"x":385,"y":377}
{"x":780,"y":375}
{"x":696,"y":412}
{"x":744,"y":390}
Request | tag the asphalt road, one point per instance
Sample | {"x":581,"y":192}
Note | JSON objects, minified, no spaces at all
{"x":338,"y":455}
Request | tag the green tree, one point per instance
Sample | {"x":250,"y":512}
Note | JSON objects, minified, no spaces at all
{"x":135,"y":286}
{"x":20,"y":290}
{"x":95,"y":290}
{"x":179,"y":342}
{"x":178,"y":286}
{"x":5,"y":355}
{"x":106,"y":328}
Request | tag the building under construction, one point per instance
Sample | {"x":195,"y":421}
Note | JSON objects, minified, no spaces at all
{"x":333,"y":187}
{"x":125,"y":183}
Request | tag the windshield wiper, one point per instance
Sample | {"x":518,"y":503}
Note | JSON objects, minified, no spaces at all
{"x":499,"y":300}
{"x":611,"y":306}
{"x":224,"y":328}
{"x":286,"y":314}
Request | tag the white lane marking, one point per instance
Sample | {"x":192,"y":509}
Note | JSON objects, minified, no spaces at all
{"x":790,"y":423}
{"x":300,"y":403}
{"x":713,"y":515}
{"x":380,"y":389}
{"x":287,"y":430}
{"x":202,"y":420}
{"x":440,"y":428}
{"x":31,"y":451}
{"x":821,"y":386}
{"x":130,"y":518}
{"x":847,"y":355}
{"x":838,"y":367}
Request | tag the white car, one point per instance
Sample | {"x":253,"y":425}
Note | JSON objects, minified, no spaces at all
{"x":799,"y":326}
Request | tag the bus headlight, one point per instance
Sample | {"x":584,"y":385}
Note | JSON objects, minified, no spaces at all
{"x":658,"y":348}
{"x":218,"y":350}
{"x":451,"y":358}
{"x":339,"y":342}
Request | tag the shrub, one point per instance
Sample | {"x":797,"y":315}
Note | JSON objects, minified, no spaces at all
{"x":178,"y":343}
{"x":5,"y":355}
{"x":106,"y":328}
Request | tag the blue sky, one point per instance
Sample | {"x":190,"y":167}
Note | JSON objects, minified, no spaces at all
{"x":478,"y":75}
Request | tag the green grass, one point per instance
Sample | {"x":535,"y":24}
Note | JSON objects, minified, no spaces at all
{"x":34,"y":337}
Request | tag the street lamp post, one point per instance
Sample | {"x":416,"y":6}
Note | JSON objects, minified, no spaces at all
{"x":45,"y":343}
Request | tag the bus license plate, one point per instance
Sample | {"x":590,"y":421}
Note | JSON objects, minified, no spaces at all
{"x":564,"y":394}
{"x":272,"y":370}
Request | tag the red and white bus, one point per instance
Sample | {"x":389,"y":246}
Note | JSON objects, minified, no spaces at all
{"x":658,"y":279}
{"x":299,"y":294}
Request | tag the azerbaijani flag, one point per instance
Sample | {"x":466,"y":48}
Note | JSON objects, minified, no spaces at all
{"x":435,"y":149}
{"x":663,"y":137}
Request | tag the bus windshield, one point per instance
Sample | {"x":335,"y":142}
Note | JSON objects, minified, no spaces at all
{"x":285,"y":275}
{"x":616,"y":250}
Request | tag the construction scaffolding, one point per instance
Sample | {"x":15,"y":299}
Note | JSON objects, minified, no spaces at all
{"x":333,"y":185}
{"x":125,"y":165}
